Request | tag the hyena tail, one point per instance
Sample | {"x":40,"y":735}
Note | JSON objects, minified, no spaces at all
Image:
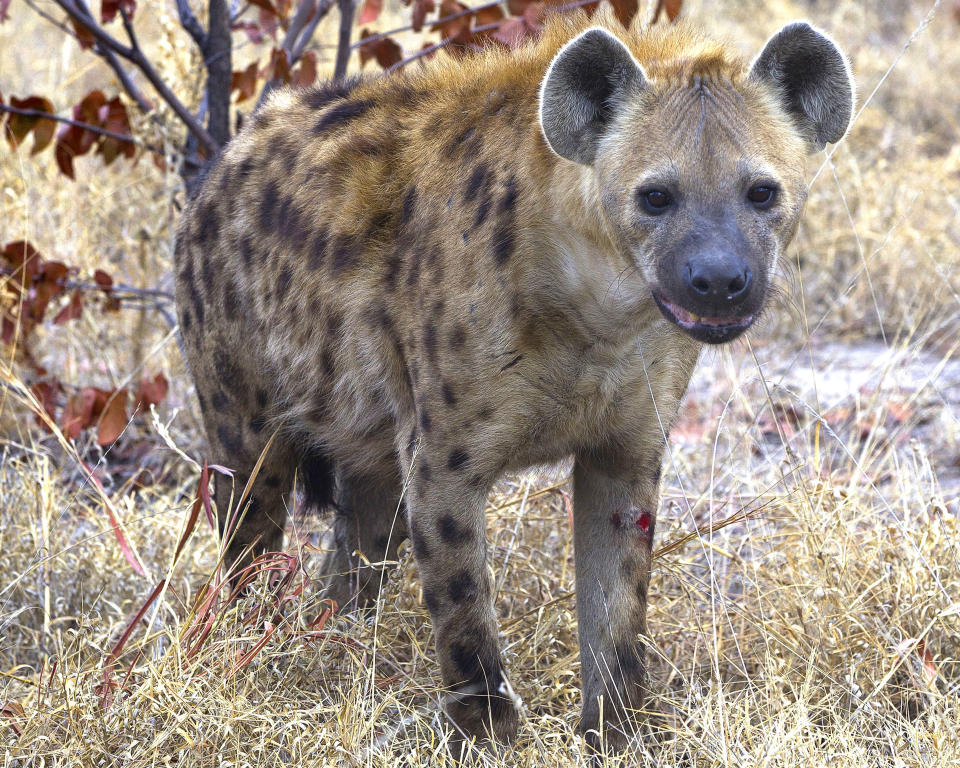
{"x":317,"y":473}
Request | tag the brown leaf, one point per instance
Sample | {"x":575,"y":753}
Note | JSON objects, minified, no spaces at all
{"x":268,"y":22}
{"x":459,"y":28}
{"x":370,"y":11}
{"x":47,"y":393}
{"x":305,"y":75}
{"x":386,"y":51}
{"x":488,"y":15}
{"x":113,"y":419}
{"x":78,"y":413}
{"x":151,"y":391}
{"x":244,"y":82}
{"x":278,"y":67}
{"x":670,"y":7}
{"x":19,"y":126}
{"x":4,"y":14}
{"x":421,"y":9}
{"x":12,"y":710}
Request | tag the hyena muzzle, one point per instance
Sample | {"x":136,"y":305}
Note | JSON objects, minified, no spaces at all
{"x":416,"y":283}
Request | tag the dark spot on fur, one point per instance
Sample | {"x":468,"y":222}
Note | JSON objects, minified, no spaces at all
{"x":458,"y":459}
{"x":245,"y":246}
{"x":424,"y":471}
{"x":484,"y":413}
{"x":458,"y":337}
{"x":334,"y":323}
{"x":322,"y":95}
{"x":452,"y":532}
{"x":462,"y":587}
{"x":502,"y":243}
{"x":512,"y":363}
{"x":230,"y":439}
{"x":476,"y":182}
{"x":642,"y":591}
{"x":208,"y":222}
{"x":509,"y":200}
{"x":186,"y":319}
{"x":257,"y":423}
{"x":629,"y":661}
{"x":228,"y":372}
{"x":432,"y":601}
{"x":344,"y":254}
{"x":413,"y":276}
{"x":430,"y":342}
{"x":424,"y":420}
{"x":220,"y":401}
{"x":231,"y":302}
{"x":482,"y":210}
{"x":269,"y":205}
{"x":326,"y":361}
{"x":409,"y":205}
{"x":393,"y":270}
{"x":341,"y":114}
{"x":421,"y":549}
{"x":261,"y":397}
{"x":272,"y":481}
{"x":448,"y":397}
{"x":283,"y":282}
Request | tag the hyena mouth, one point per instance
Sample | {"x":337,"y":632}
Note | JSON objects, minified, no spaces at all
{"x":711,"y":330}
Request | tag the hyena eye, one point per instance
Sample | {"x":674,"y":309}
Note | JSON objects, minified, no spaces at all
{"x":761,"y":195}
{"x":654,"y":200}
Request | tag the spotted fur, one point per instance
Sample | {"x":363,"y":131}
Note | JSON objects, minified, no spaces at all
{"x":442,"y":275}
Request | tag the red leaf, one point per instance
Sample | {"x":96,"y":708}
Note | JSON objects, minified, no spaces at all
{"x":84,"y":36}
{"x":4,"y":15}
{"x":421,"y":9}
{"x":245,"y":82}
{"x":113,"y":419}
{"x":151,"y":391}
{"x":78,"y":413}
{"x":46,"y":393}
{"x":72,"y":310}
{"x":12,"y":710}
{"x":385,"y":50}
{"x":265,"y":5}
{"x":103,"y":280}
{"x":269,"y":22}
{"x":109,"y":9}
{"x":305,"y":75}
{"x":626,"y":10}
{"x":370,"y":11}
{"x":114,"y":118}
{"x":111,"y":515}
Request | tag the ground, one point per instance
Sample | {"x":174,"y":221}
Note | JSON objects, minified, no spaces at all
{"x":803,"y":604}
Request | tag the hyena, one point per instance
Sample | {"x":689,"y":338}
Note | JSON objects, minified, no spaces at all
{"x":417,"y":282}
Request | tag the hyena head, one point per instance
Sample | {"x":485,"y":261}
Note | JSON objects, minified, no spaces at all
{"x":697,"y":158}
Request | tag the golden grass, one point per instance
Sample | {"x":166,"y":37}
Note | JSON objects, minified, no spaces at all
{"x":805,"y":603}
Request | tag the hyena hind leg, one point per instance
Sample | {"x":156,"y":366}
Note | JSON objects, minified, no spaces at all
{"x":369,"y":521}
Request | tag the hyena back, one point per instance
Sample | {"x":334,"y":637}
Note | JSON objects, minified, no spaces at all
{"x":488,"y":264}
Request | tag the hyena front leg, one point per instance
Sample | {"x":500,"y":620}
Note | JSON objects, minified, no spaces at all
{"x":445,"y":504}
{"x":614,"y":516}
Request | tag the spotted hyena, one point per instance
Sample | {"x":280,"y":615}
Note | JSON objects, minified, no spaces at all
{"x":418,"y":282}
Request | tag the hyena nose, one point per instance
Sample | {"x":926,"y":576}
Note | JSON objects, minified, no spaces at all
{"x":718,"y":284}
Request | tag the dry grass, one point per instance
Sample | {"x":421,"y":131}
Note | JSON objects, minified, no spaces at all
{"x":814,"y":621}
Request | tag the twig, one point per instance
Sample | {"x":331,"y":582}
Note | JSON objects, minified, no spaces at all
{"x":347,"y":8}
{"x":301,"y":47}
{"x":189,"y":22}
{"x":85,"y":20}
{"x":295,"y":42}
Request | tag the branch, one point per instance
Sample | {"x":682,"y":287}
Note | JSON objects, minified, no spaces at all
{"x":109,"y":43}
{"x":347,"y":8}
{"x":322,"y":10}
{"x":189,"y":22}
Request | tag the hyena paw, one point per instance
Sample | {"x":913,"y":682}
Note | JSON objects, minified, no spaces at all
{"x":484,"y":711}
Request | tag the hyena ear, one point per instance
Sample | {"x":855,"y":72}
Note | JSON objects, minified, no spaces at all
{"x":812,"y":78}
{"x":580,"y":93}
